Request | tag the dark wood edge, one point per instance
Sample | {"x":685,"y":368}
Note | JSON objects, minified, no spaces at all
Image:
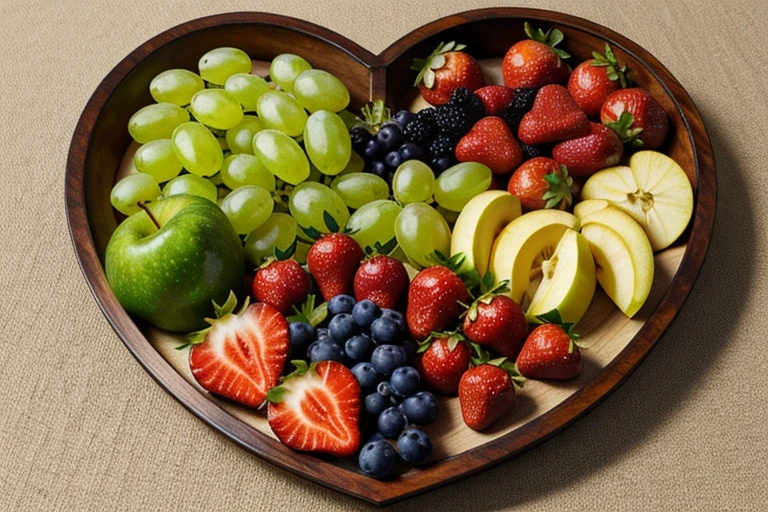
{"x":472,"y":461}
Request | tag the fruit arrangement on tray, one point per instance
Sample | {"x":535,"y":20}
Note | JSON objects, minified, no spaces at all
{"x":341,"y":270}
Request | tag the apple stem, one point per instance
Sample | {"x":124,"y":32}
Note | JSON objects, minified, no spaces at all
{"x":143,"y":206}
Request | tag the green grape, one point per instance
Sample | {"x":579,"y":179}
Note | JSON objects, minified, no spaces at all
{"x":314,"y":173}
{"x":421,"y":231}
{"x":460,"y":183}
{"x":219,"y":64}
{"x":349,"y":118}
{"x":360,"y":188}
{"x":240,"y":138}
{"x":374,"y":222}
{"x":285,"y":68}
{"x":277,"y":234}
{"x":355,"y":164}
{"x":317,"y":209}
{"x":216,"y":179}
{"x":136,"y":187}
{"x":176,"y":86}
{"x":156,"y":121}
{"x":197,"y":149}
{"x":302,"y":251}
{"x":316,"y":89}
{"x":246,"y":89}
{"x":191,"y":184}
{"x":216,"y":108}
{"x":449,"y":216}
{"x":158,"y":159}
{"x":280,"y":111}
{"x":223,"y":143}
{"x":239,"y":170}
{"x":281,"y":155}
{"x":247,"y":208}
{"x":327,"y":142}
{"x":413,"y":182}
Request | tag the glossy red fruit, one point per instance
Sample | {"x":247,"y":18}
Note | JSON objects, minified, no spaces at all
{"x":242,"y":355}
{"x":486,"y":394}
{"x":444,"y":71}
{"x":495,"y":98}
{"x":383,"y":280}
{"x":537,"y":61}
{"x":490,"y":142}
{"x":434,"y":298}
{"x":441,"y":363}
{"x":549,"y":352}
{"x":540,"y":183}
{"x":281,"y":284}
{"x":498,"y":323}
{"x":637,"y":117}
{"x":555,"y":116}
{"x":585,"y":155}
{"x":333,"y":260}
{"x":595,"y":79}
{"x":317,"y":409}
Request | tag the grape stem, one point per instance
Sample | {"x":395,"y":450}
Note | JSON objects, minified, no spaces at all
{"x":143,"y":206}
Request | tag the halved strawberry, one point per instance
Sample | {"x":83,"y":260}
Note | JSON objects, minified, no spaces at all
{"x":241,"y":356}
{"x":317,"y":409}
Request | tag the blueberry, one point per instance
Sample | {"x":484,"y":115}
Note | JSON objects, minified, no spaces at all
{"x":376,"y":436}
{"x":391,"y":422}
{"x":365,"y":312}
{"x":389,"y":136}
{"x":421,"y":408}
{"x":301,"y":335}
{"x":394,"y":315}
{"x":405,"y":381}
{"x":366,"y":376}
{"x":386,"y":358}
{"x":414,"y":446}
{"x":374,"y":404}
{"x":441,"y":164}
{"x":393,"y":159}
{"x":378,"y":168}
{"x":385,"y":331}
{"x":340,"y":304}
{"x":360,"y":137}
{"x":410,"y":348}
{"x":321,"y":332}
{"x":359,"y":347}
{"x":403,"y":117}
{"x":325,"y":350}
{"x":342,"y":327}
{"x":372,"y":149}
{"x":384,"y":389}
{"x":410,"y":151}
{"x":377,"y":458}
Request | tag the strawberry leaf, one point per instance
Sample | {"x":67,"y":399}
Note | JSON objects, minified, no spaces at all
{"x":276,"y":394}
{"x":311,"y":232}
{"x":281,"y":255}
{"x":551,"y":317}
{"x":623,"y":128}
{"x":436,"y":60}
{"x":228,"y":306}
{"x":330,"y":222}
{"x":310,"y":314}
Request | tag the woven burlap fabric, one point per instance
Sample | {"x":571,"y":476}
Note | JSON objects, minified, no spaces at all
{"x":83,"y":427}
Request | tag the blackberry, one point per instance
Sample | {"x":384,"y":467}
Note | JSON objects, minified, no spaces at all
{"x":512,"y":116}
{"x":530,"y":151}
{"x":460,"y":96}
{"x":475,"y":107}
{"x":523,"y":99}
{"x":442,"y":145}
{"x":427,"y":114}
{"x":419,"y":131}
{"x":453,"y":119}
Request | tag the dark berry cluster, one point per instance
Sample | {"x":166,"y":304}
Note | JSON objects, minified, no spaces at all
{"x":385,"y":150}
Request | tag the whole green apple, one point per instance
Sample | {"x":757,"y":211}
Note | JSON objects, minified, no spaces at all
{"x":167,"y":264}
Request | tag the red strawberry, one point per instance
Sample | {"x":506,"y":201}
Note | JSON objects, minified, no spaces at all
{"x":555,"y":116}
{"x":241,"y":355}
{"x":317,"y":409}
{"x":550,"y":352}
{"x":637,"y":117}
{"x":594,"y":79}
{"x":445,"y":70}
{"x":495,"y":98}
{"x":442,"y":361}
{"x":281,"y":284}
{"x":433,"y":301}
{"x":491,"y":143}
{"x":584,"y":155}
{"x":383,"y":280}
{"x":333,"y":261}
{"x":486,"y":393}
{"x":535,"y":62}
{"x":542,"y":183}
{"x":497,"y":322}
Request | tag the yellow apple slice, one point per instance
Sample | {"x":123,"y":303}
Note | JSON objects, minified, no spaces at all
{"x":568,"y":280}
{"x":478,"y":224}
{"x":622,"y":253}
{"x":654,"y":190}
{"x":524,"y":244}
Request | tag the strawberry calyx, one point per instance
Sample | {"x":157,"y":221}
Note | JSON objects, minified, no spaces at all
{"x":623,"y":128}
{"x":487,"y":295}
{"x":310,"y":314}
{"x":552,"y":37}
{"x":375,"y":113}
{"x":453,"y":337}
{"x":459,"y":265}
{"x":380,"y":250}
{"x":482,"y":356}
{"x":553,"y":317}
{"x":611,"y":65}
{"x":315,"y":234}
{"x":559,"y":192}
{"x":436,"y":60}
{"x":276,"y":394}
{"x":226,"y":309}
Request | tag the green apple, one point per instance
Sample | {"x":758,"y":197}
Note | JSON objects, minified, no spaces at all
{"x":480,"y":222}
{"x":167,"y":263}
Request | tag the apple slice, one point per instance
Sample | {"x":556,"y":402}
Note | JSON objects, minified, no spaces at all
{"x":622,"y":252}
{"x":478,"y":224}
{"x":654,"y":190}
{"x":523,"y":245}
{"x":568,"y":280}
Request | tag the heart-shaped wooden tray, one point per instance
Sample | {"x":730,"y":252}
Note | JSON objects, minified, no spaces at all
{"x":617,"y":344}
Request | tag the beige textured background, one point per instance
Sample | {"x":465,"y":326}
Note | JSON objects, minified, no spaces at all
{"x":83,"y":427}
